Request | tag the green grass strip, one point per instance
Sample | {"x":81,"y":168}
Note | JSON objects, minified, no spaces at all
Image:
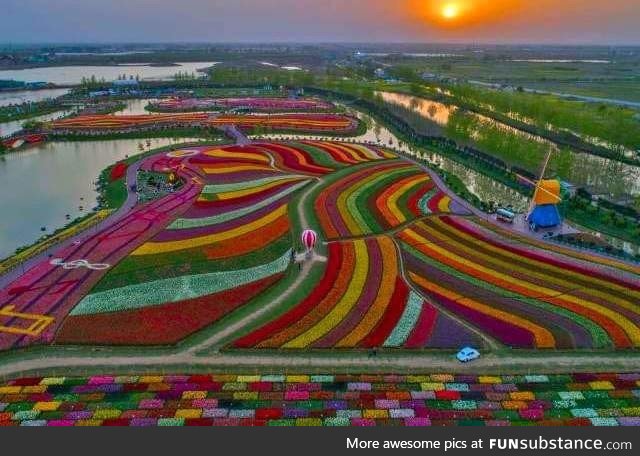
{"x":245,"y":185}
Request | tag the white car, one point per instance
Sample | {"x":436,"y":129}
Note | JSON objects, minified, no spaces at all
{"x":468,"y":354}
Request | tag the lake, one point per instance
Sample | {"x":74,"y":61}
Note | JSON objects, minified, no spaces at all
{"x":29,"y":96}
{"x":44,"y":183}
{"x":133,"y":108}
{"x":68,"y":75}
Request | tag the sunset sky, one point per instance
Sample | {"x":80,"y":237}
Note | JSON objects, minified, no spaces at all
{"x":489,"y":21}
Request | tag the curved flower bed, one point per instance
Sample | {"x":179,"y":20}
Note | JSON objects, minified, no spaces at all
{"x":360,"y":302}
{"x":320,"y":123}
{"x":521,"y":297}
{"x":330,"y":123}
{"x":374,"y":199}
{"x":232,"y":243}
{"x":253,"y":103}
{"x":107,"y":122}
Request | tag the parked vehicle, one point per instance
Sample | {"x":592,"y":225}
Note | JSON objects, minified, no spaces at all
{"x":468,"y":354}
{"x":505,"y":216}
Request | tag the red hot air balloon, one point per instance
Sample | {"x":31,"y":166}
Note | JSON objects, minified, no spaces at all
{"x":309,"y":239}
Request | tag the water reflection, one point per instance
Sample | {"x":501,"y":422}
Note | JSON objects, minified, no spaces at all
{"x":51,"y":180}
{"x":603,"y":176}
{"x":9,"y":128}
{"x":74,"y":74}
{"x":29,"y":96}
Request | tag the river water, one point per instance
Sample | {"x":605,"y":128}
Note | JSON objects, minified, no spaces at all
{"x":29,"y":96}
{"x":44,"y":183}
{"x":601,"y":175}
{"x":133,"y":108}
{"x":74,"y":74}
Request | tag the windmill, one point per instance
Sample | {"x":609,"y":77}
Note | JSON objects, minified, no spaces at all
{"x":543,"y":209}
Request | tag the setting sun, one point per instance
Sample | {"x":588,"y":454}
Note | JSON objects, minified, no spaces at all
{"x":450,"y":11}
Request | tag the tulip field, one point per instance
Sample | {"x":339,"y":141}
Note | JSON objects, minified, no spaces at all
{"x":322,"y":400}
{"x":361,"y":302}
{"x":252,"y":103}
{"x":401,"y":264}
{"x":522,"y":297}
{"x":313,"y":123}
{"x":378,"y":198}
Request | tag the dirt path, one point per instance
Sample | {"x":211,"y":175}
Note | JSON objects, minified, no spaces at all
{"x":415,"y":362}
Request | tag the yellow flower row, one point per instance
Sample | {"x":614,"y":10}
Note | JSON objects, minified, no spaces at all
{"x":383,"y":298}
{"x":152,"y":248}
{"x":343,"y":307}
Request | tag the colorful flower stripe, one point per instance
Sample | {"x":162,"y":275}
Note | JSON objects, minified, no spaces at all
{"x":435,"y":202}
{"x":569,"y":328}
{"x":513,"y":326}
{"x":290,"y":158}
{"x":595,"y":259}
{"x":623,"y":293}
{"x":388,"y":202}
{"x":225,"y":216}
{"x":152,"y":248}
{"x":163,"y":324}
{"x":407,"y":322}
{"x":361,"y":302}
{"x":249,"y":242}
{"x":502,"y":280}
{"x":454,"y":244}
{"x":350,"y":153}
{"x":175,"y":289}
{"x":334,"y":123}
{"x":332,"y":293}
{"x":357,"y":284}
{"x":579,"y":290}
{"x":323,"y":400}
{"x":236,"y":153}
{"x":607,"y":280}
{"x":99,"y":122}
{"x":275,"y":104}
{"x":335,"y":268}
{"x":226,"y":169}
{"x":231,"y":187}
{"x":372,"y":199}
{"x":216,"y":192}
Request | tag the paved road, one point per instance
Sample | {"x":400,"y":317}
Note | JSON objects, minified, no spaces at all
{"x":331,"y":362}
